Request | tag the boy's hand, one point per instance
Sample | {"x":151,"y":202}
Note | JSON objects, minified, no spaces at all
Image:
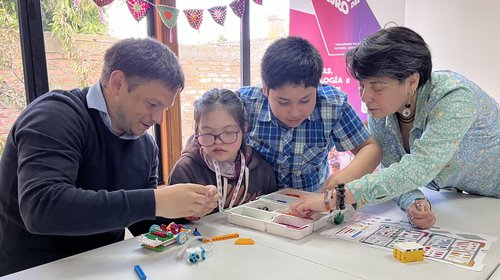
{"x":183,"y":200}
{"x":307,"y":206}
{"x":420,"y":214}
{"x":330,"y":183}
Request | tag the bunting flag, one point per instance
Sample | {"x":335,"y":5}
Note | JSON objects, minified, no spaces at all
{"x":168,"y":15}
{"x":194,"y":17}
{"x":218,"y":13}
{"x":138,"y":8}
{"x":238,"y":7}
{"x":102,"y":3}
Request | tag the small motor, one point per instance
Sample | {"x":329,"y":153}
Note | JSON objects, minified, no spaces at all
{"x":195,"y":254}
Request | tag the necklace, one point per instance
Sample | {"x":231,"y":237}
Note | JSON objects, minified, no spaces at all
{"x":222,"y":188}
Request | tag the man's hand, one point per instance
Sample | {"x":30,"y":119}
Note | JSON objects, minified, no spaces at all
{"x":183,"y":200}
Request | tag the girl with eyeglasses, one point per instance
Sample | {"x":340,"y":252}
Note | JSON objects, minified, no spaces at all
{"x":217,"y":154}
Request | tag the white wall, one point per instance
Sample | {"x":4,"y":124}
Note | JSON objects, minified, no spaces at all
{"x":396,"y":13}
{"x":463,"y":35}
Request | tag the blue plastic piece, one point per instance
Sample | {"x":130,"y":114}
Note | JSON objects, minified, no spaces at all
{"x":193,"y":257}
{"x":155,"y":228}
{"x":182,"y":237}
{"x":203,"y":254}
{"x":139,"y":272}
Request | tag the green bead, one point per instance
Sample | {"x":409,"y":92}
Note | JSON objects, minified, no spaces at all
{"x":339,"y":218}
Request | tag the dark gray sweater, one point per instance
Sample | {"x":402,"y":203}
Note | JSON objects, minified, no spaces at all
{"x":68,"y":184}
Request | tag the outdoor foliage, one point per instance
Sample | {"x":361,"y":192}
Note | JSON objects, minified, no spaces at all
{"x":82,"y":18}
{"x":61,"y":17}
{"x":10,"y":57}
{"x":65,"y":20}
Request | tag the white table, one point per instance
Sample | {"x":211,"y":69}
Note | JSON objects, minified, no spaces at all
{"x":453,"y":210}
{"x":116,"y":261}
{"x":495,"y":275}
{"x":275,"y":257}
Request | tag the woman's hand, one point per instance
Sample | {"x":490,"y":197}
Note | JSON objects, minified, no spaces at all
{"x":420,"y":214}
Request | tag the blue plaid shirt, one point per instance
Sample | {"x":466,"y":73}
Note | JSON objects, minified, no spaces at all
{"x":299,"y":156}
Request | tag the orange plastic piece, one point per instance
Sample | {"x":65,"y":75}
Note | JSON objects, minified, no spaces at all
{"x":222,"y":237}
{"x":170,"y":225}
{"x":244,"y":241}
{"x":293,"y":195}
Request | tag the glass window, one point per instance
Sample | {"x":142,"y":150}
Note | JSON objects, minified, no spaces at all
{"x":77,"y":33}
{"x":268,"y":22}
{"x":210,"y":56}
{"x":12,"y":93}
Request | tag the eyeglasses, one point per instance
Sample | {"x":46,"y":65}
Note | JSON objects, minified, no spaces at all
{"x":226,"y":137}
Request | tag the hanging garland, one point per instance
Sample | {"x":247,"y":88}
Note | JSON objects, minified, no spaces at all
{"x":101,"y":3}
{"x":169,"y":15}
{"x":218,"y":13}
{"x":195,"y":17}
{"x":238,"y":7}
{"x":138,"y":8}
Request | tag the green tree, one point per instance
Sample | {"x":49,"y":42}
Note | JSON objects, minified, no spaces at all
{"x":82,"y":18}
{"x":61,"y":17}
{"x":65,"y":20}
{"x":10,"y":94}
{"x":9,"y":32}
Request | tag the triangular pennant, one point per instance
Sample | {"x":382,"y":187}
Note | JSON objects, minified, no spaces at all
{"x":238,"y":7}
{"x":168,"y":15}
{"x":138,"y":8}
{"x":194,"y":17}
{"x":258,"y":2}
{"x":102,"y":3}
{"x":218,"y":13}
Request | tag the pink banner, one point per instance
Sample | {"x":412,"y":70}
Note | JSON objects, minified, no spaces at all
{"x":334,"y":27}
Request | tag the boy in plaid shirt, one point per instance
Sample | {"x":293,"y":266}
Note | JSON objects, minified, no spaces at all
{"x":294,"y":121}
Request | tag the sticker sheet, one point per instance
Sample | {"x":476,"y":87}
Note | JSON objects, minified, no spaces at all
{"x":461,"y":249}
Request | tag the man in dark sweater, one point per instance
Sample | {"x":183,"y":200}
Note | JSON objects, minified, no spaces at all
{"x":78,"y":167}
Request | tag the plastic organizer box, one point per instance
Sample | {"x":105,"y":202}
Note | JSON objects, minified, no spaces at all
{"x":271,"y":213}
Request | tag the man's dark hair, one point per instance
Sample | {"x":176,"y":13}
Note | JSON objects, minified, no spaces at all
{"x":143,"y":60}
{"x":291,"y":61}
{"x":395,"y":52}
